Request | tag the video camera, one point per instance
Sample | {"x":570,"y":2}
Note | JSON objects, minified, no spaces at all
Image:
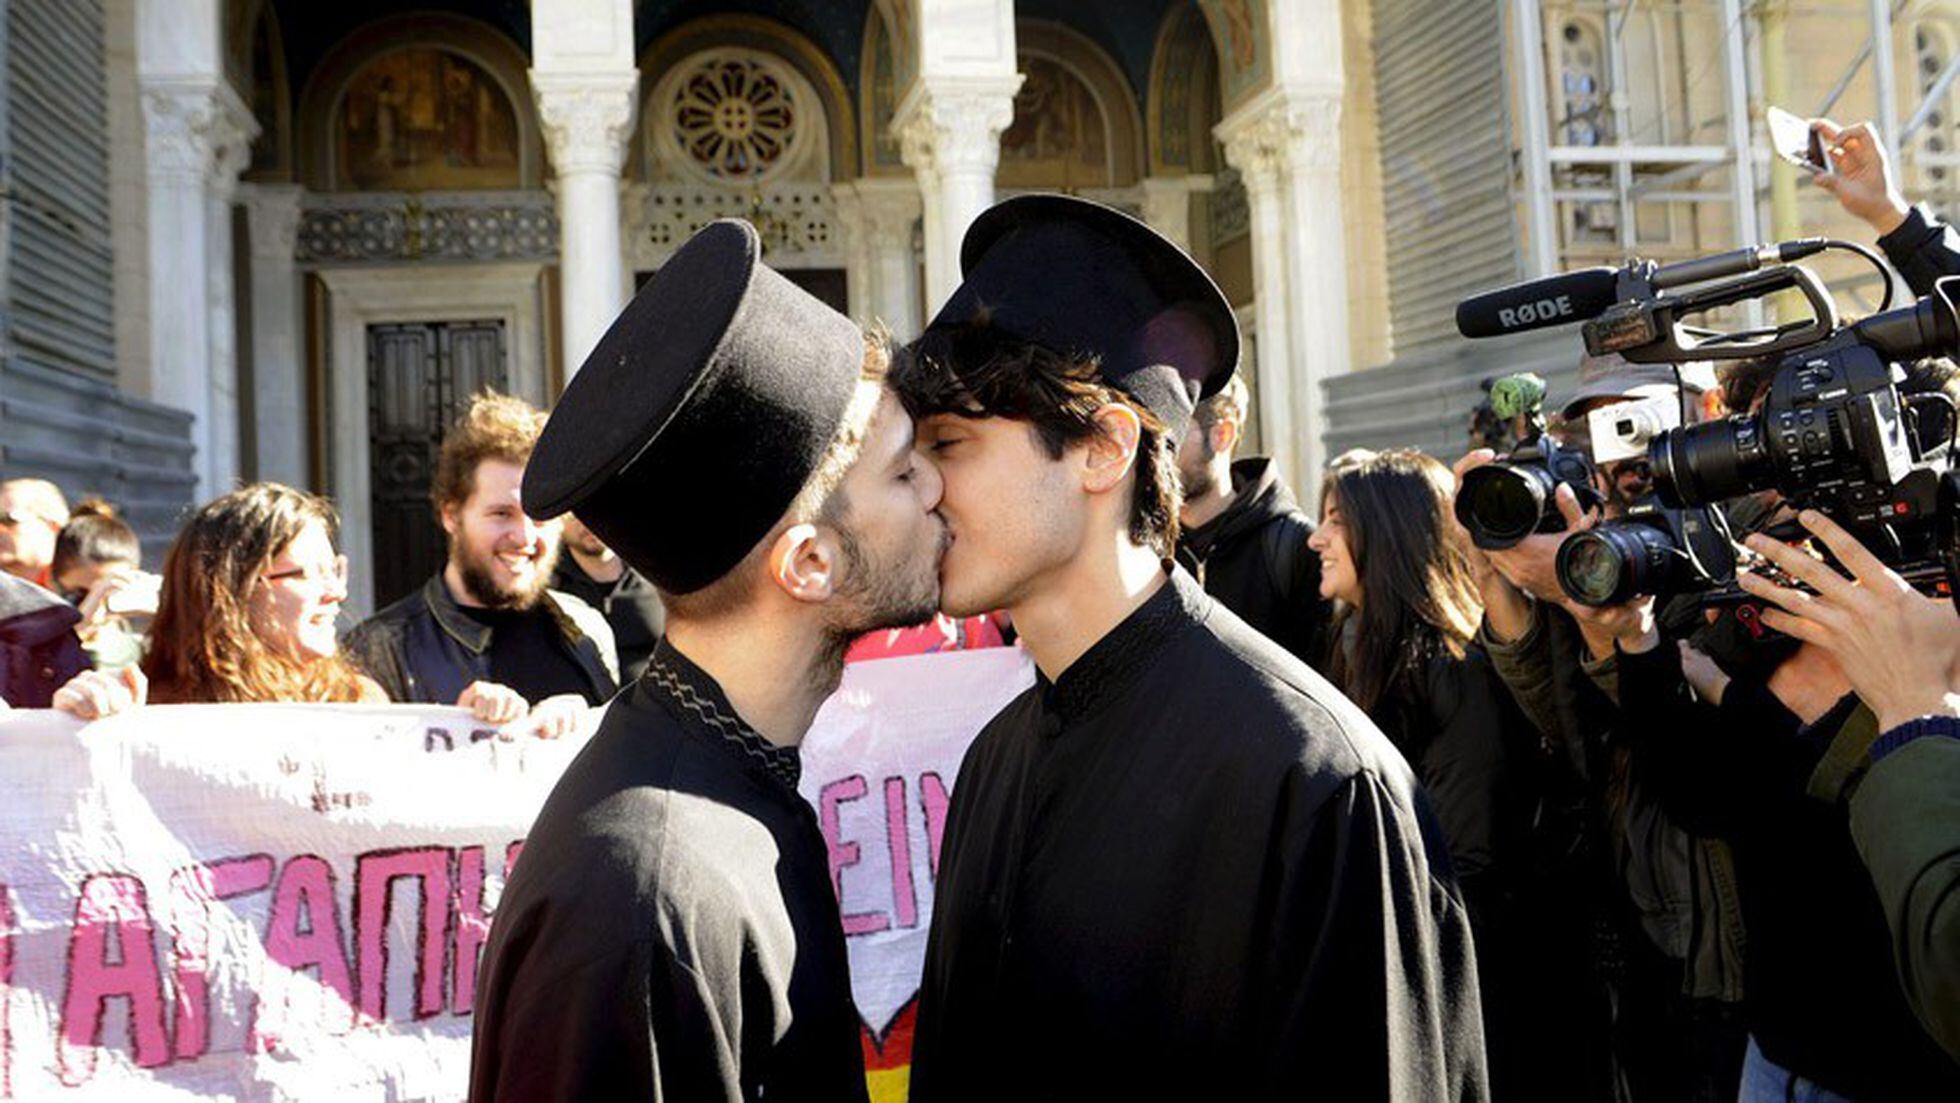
{"x":1833,"y":434}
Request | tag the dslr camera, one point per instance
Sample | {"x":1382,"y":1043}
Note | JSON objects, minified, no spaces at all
{"x":1833,"y":434}
{"x":1502,"y":503}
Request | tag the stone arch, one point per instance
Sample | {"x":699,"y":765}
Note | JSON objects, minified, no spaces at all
{"x":255,"y":64}
{"x":764,"y":36}
{"x":1066,"y":75}
{"x":1184,"y":99}
{"x":479,"y":44}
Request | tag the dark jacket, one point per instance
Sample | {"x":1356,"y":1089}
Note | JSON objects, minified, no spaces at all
{"x":39,"y":651}
{"x":1821,"y":996}
{"x":1253,"y":558}
{"x":1923,"y":249}
{"x":425,"y":648}
{"x":1905,"y":818}
{"x":630,"y":605}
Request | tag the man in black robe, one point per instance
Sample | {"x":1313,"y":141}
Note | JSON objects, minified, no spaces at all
{"x":1181,"y":865}
{"x":670,"y":931}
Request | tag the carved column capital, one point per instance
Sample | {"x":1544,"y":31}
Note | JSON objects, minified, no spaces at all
{"x":196,"y":130}
{"x":1283,"y":130}
{"x":587,"y":119}
{"x":954,"y":126}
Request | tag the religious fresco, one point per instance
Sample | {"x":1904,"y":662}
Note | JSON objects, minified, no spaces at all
{"x":1059,"y":138}
{"x":1244,"y":50}
{"x":424,"y":120}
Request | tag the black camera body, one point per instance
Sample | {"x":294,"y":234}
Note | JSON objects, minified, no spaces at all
{"x":1654,"y":549}
{"x":1832,"y":435}
{"x":1501,"y":503}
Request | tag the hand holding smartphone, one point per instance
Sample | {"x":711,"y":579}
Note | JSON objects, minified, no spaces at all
{"x":1796,"y":140}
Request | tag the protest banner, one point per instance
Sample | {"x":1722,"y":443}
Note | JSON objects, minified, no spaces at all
{"x":289,"y":901}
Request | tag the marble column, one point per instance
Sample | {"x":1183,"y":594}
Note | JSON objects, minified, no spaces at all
{"x":889,"y":211}
{"x":587,"y":120}
{"x":1167,"y":204}
{"x":1285,"y":145}
{"x":193,"y":129}
{"x":949,"y":134}
{"x":272,"y":214}
{"x":230,"y":154}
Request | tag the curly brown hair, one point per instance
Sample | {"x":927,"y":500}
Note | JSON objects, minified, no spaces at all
{"x":203,"y":648}
{"x":978,"y":372}
{"x":495,"y":427}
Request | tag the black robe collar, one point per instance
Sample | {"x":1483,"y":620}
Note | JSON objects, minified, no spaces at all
{"x":696,"y":700}
{"x":1113,"y":664}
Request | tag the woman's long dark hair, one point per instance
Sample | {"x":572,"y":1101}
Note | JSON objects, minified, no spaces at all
{"x":1418,"y":598}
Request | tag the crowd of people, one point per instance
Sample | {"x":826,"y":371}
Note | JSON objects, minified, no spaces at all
{"x":1346,"y":799}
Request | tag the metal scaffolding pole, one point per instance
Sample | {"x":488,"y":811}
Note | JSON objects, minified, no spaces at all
{"x":1541,"y":213}
{"x":1743,"y":167}
{"x":1884,"y":74}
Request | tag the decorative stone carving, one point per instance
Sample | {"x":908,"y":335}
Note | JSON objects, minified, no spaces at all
{"x":586,"y":119}
{"x":1294,"y":131}
{"x":798,"y":222}
{"x":955,"y":128}
{"x":373,"y":228}
{"x":196,"y":130}
{"x":737,"y":118}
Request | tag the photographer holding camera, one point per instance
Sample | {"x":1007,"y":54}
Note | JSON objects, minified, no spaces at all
{"x":1738,"y":752}
{"x":1660,"y":901}
{"x":1900,"y":650}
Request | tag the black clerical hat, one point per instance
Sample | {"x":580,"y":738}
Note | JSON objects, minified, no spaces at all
{"x":700,"y":414}
{"x":1081,"y":278}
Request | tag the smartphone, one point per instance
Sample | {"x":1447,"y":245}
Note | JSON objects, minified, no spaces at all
{"x":1796,"y":141}
{"x":138,"y":596}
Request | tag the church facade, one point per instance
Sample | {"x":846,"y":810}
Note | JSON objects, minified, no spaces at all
{"x":279,"y":239}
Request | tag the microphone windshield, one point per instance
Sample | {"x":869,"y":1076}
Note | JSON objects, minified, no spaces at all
{"x":1537,"y":304}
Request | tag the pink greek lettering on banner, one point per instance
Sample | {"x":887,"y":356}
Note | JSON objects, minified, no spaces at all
{"x":305,"y":932}
{"x":111,"y":906}
{"x":933,"y":797}
{"x":193,"y":892}
{"x":844,"y":854}
{"x":905,"y":895}
{"x":374,"y":875}
{"x":472,"y":927}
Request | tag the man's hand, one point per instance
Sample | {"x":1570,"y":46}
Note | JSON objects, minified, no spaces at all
{"x":1532,"y":564}
{"x":556,"y":717}
{"x":1507,"y":611}
{"x":94,"y":694}
{"x":492,"y":703}
{"x":1899,"y":649}
{"x":1860,"y":176}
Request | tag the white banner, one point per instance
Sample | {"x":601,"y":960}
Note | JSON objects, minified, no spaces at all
{"x":288,"y":901}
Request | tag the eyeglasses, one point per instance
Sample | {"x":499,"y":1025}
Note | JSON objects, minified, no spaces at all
{"x":334,"y":574}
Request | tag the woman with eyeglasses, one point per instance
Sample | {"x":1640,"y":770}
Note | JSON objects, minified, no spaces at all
{"x":251,"y":590}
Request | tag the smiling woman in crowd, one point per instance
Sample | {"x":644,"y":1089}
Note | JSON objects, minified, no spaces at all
{"x":251,"y":590}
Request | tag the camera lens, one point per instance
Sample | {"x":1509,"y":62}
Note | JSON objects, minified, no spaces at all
{"x":1502,"y":503}
{"x":1615,"y":563}
{"x":1699,"y":464}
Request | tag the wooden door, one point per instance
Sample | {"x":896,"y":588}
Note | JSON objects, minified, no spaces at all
{"x":420,"y":379}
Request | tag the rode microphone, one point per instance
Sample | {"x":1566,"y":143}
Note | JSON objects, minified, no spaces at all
{"x":1585,"y":294}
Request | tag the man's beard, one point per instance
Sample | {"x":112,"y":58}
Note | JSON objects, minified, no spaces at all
{"x":875,"y":594}
{"x":1198,"y":484}
{"x":481,"y":583}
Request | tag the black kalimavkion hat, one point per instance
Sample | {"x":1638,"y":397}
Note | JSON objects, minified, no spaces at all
{"x":1080,"y":278}
{"x":700,"y":414}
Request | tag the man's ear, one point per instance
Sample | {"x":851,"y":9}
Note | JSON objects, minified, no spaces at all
{"x":450,"y":514}
{"x":1112,"y":451}
{"x":1225,"y":435}
{"x":804,"y":563}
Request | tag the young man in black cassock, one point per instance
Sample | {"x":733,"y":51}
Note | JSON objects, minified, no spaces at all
{"x":670,"y":932}
{"x":1181,"y":865}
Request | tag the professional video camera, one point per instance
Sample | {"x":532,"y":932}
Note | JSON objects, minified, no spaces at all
{"x":1504,"y":502}
{"x":1833,"y":434}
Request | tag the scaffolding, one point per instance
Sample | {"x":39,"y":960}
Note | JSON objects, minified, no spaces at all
{"x":1629,"y":168}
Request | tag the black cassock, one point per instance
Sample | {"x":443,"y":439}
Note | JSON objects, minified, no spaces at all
{"x":1189,"y":868}
{"x":670,"y":931}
